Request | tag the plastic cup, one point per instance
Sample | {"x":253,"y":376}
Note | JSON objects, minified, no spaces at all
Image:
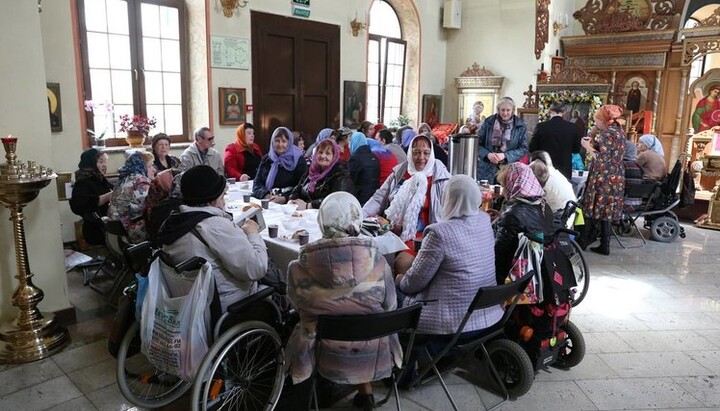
{"x":273,"y":230}
{"x":497,"y":190}
{"x":265,"y":203}
{"x":231,"y":180}
{"x":246,"y":198}
{"x":580,"y":173}
{"x":303,"y":238}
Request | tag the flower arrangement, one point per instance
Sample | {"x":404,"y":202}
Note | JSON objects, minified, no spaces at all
{"x":137,"y":123}
{"x":569,"y":97}
{"x":91,"y":106}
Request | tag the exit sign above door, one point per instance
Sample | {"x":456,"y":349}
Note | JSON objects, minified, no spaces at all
{"x":303,"y":2}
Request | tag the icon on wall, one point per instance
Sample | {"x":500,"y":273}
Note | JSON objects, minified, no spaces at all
{"x":54,"y":106}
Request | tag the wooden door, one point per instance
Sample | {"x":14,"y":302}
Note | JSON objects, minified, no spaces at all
{"x":296,"y":75}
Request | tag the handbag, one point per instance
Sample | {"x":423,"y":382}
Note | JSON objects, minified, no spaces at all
{"x":528,"y":257}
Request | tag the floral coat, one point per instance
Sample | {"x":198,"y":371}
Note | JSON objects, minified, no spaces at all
{"x":605,"y":186}
{"x":127,"y":204}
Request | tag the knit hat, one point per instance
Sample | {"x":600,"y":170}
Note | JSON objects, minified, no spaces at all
{"x":160,"y":136}
{"x":201,"y":185}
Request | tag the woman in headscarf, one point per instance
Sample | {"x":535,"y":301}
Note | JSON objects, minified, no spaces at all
{"x":364,"y":167}
{"x":440,"y":153}
{"x":161,"y":150}
{"x":411,"y":197}
{"x":602,"y":202}
{"x":91,"y":194}
{"x":386,"y":159}
{"x":652,"y":158}
{"x":455,"y":259}
{"x":342,"y":138}
{"x":340,"y":274}
{"x":524,"y":212}
{"x":325,"y":176}
{"x":633,"y":174}
{"x":407,"y":135}
{"x":163,"y":197}
{"x":280,"y":169}
{"x":242,"y":156}
{"x":129,"y":199}
{"x":322,"y":135}
{"x":503,"y":140}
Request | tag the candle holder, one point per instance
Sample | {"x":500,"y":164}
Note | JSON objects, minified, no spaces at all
{"x":32,"y":335}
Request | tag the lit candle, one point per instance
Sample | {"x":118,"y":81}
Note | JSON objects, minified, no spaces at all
{"x":9,"y":139}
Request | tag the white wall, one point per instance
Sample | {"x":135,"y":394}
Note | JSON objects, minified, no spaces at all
{"x":433,"y":55}
{"x":23,"y":113}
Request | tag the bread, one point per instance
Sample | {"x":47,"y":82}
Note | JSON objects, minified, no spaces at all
{"x":296,"y":214}
{"x":249,"y":206}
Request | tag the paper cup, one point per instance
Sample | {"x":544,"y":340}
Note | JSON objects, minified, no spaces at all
{"x":265,"y":203}
{"x":273,"y":230}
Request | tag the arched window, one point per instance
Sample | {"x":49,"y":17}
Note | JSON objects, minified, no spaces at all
{"x":386,"y":63}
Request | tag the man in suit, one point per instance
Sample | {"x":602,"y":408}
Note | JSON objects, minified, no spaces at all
{"x":560,"y":138}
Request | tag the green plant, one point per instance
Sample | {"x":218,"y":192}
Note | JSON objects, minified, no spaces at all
{"x":400,"y":121}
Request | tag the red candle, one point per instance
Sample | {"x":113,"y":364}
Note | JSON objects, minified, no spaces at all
{"x":9,"y":139}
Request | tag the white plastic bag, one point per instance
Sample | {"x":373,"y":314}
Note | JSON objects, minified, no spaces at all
{"x":175,"y":331}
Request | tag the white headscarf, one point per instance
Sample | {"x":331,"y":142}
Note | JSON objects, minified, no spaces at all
{"x":652,"y":143}
{"x":404,"y":209}
{"x":461,"y":197}
{"x":340,"y":215}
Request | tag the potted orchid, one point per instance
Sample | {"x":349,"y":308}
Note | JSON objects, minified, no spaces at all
{"x":137,"y":128}
{"x":91,"y":107}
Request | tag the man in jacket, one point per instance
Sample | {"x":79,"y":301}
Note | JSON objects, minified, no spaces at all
{"x":560,"y":138}
{"x":202,"y":152}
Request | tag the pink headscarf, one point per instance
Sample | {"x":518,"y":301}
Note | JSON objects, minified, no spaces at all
{"x":606,"y":114}
{"x":315,"y":174}
{"x":521,"y":182}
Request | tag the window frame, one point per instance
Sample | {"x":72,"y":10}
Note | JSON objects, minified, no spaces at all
{"x":382,"y":72}
{"x":137,"y":67}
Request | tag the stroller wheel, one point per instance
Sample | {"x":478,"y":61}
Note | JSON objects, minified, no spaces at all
{"x":574,"y":352}
{"x":513,"y":366}
{"x":664,"y":229}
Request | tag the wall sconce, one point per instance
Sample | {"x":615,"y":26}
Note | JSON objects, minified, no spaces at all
{"x":560,"y":26}
{"x":229,"y":6}
{"x":357,"y":26}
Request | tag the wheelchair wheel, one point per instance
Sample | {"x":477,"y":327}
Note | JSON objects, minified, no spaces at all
{"x":513,"y":365}
{"x":574,"y":352}
{"x":139,"y":381}
{"x":664,"y":229}
{"x":581,"y":271}
{"x":243,"y":370}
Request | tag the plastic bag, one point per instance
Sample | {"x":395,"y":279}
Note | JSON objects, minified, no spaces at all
{"x":175,"y":330}
{"x":527,"y":259}
{"x":142,"y":284}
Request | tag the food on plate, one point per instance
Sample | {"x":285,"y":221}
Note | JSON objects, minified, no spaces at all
{"x":296,"y":214}
{"x":251,"y":205}
{"x":298,"y":233}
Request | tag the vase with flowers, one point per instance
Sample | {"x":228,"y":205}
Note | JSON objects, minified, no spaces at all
{"x":137,"y":128}
{"x":105,"y":121}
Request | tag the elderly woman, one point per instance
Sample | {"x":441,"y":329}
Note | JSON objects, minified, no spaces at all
{"x":163,"y":198}
{"x":364,"y":167}
{"x":129,"y":199}
{"x":161,"y":151}
{"x":91,"y":194}
{"x":525,"y":212}
{"x":503,"y":140}
{"x":322,"y":135}
{"x":341,"y":274}
{"x":440,"y":153}
{"x":242,"y":156}
{"x":325,"y":176}
{"x":411,"y":197}
{"x":558,"y":190}
{"x":455,"y":259}
{"x":602,"y":202}
{"x":652,"y":158}
{"x":202,"y":228}
{"x":280,"y":169}
{"x":342,"y":138}
{"x":633,"y":174}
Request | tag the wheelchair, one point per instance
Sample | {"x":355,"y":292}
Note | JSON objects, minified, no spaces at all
{"x":565,"y":238}
{"x":243,"y":368}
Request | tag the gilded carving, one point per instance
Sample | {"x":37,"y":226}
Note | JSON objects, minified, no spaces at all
{"x":574,"y":75}
{"x":476,"y":71}
{"x":699,"y":47}
{"x":619,"y":16}
{"x":542,"y":26}
{"x":712,"y":20}
{"x":650,"y":60}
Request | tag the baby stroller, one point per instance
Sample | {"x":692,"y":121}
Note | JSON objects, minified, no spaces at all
{"x":658,"y":199}
{"x":543,"y":329}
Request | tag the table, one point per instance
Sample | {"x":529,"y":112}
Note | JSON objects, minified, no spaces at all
{"x":283,"y":249}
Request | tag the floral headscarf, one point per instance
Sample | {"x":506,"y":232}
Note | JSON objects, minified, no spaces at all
{"x":652,"y":143}
{"x":340,"y":215}
{"x":287,"y":160}
{"x":521,"y":183}
{"x":135,"y":164}
{"x":357,"y":140}
{"x":316,"y":174}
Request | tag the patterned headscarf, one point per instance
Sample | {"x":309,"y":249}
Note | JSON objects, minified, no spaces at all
{"x":521,"y":183}
{"x":357,"y":140}
{"x":324,"y":134}
{"x":316,"y":174}
{"x":340,"y":215}
{"x":135,"y":164}
{"x":653,"y":144}
{"x":288,"y":160}
{"x":606,"y":114}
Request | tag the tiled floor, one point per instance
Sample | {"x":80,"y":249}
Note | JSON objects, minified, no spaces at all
{"x":650,"y":321}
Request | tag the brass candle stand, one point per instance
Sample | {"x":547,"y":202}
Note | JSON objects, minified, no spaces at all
{"x":32,"y":335}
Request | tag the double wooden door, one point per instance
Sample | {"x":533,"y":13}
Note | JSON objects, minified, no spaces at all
{"x":296,"y":75}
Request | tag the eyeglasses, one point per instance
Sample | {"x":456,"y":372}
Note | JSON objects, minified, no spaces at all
{"x":211,"y":138}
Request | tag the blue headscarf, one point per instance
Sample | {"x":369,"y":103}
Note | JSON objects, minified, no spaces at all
{"x":323,"y":134}
{"x":653,"y":144}
{"x":288,"y":160}
{"x":357,"y":140}
{"x":135,"y":164}
{"x":407,"y":136}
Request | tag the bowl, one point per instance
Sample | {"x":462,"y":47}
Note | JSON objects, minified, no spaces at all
{"x":288,"y":209}
{"x":290,"y":224}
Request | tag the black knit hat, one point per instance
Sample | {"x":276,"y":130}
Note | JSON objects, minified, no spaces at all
{"x":201,"y":185}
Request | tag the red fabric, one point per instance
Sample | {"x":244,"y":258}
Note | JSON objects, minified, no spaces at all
{"x":442,"y":131}
{"x":345,"y":155}
{"x":386,"y":165}
{"x":235,"y":161}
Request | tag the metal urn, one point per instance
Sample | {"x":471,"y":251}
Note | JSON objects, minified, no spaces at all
{"x":32,"y":335}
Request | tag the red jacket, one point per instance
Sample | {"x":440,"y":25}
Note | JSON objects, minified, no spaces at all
{"x":239,"y":161}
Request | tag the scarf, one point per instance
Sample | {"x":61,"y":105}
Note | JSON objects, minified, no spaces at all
{"x":357,"y":140}
{"x":288,"y":160}
{"x":501,"y":133}
{"x":407,"y":136}
{"x":323,"y":135}
{"x":340,"y":215}
{"x":240,"y":138}
{"x":652,"y":143}
{"x":522,"y":185}
{"x":135,"y":164}
{"x":404,"y":209}
{"x":316,"y":174}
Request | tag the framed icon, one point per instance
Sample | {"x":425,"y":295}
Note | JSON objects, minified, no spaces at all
{"x":231,"y":107}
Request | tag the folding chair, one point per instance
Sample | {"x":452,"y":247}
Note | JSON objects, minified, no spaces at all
{"x":484,"y":298}
{"x":368,"y":327}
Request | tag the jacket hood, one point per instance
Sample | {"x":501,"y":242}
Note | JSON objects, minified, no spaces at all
{"x":342,"y":262}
